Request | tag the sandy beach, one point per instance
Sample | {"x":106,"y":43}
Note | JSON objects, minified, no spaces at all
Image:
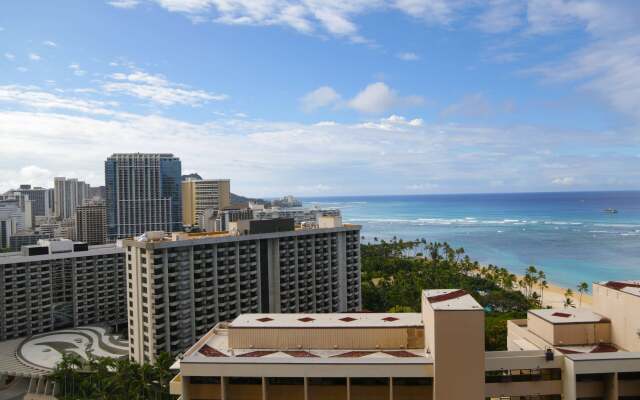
{"x":553,"y":296}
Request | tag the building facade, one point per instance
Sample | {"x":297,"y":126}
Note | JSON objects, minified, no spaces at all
{"x":438,"y":354}
{"x":61,"y":283}
{"x":199,"y":195}
{"x":41,"y":199}
{"x":91,"y":223}
{"x":179,"y":287}
{"x":68,"y":194}
{"x":12,"y":220}
{"x":143,"y":194}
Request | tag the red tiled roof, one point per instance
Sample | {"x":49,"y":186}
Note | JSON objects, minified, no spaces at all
{"x":264,"y":319}
{"x":400,"y":353}
{"x":389,"y":319}
{"x":561,"y":314}
{"x":258,"y":353}
{"x":567,"y":351}
{"x":306,"y":319}
{"x":347,"y":319}
{"x":620,"y":285}
{"x":300,"y":353}
{"x":208,"y":351}
{"x":604,"y":348}
{"x":354,"y":354}
{"x":447,"y":296}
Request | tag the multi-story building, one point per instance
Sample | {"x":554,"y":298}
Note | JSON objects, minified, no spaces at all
{"x":91,"y":223}
{"x":25,"y":238}
{"x":11,"y":221}
{"x":68,"y":194}
{"x":202,"y":194}
{"x":181,"y":286}
{"x":60,"y":283}
{"x":143,"y":194}
{"x":41,"y":199}
{"x":437,"y":354}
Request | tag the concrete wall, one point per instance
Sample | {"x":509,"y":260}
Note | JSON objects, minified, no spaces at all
{"x":622,"y":309}
{"x":324,"y":338}
{"x":455,"y":339}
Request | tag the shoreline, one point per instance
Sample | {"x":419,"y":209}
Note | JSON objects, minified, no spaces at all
{"x":553,"y":296}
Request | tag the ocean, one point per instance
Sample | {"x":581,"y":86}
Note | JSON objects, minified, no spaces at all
{"x":568,"y":235}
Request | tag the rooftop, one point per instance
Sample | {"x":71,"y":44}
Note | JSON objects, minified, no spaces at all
{"x":630,"y":287}
{"x":351,"y":320}
{"x":568,"y":316}
{"x":451,"y":299}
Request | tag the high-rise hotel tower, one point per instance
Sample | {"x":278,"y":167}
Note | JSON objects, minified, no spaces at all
{"x":143,"y":194}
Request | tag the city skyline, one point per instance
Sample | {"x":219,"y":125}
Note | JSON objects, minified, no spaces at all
{"x":324,"y":98}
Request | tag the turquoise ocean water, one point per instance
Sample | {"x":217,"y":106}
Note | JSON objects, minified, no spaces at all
{"x":568,"y":235}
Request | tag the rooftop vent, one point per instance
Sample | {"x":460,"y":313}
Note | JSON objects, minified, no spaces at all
{"x":561,"y":315}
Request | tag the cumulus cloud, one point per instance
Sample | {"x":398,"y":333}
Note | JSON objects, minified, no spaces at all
{"x":49,"y":43}
{"x":564,"y":181}
{"x":34,"y":57}
{"x":379,"y":97}
{"x":157,"y":89}
{"x":323,"y":96}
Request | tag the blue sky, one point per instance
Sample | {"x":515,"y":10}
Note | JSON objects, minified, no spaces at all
{"x":327,"y":97}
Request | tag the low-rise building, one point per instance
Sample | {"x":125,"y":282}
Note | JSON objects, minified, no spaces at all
{"x":439,"y":354}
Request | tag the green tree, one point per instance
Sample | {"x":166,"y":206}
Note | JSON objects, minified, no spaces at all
{"x":583,"y":287}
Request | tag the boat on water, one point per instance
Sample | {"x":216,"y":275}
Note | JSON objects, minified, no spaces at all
{"x":611,"y":210}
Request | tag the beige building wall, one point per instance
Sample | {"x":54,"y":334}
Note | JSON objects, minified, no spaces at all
{"x":567,"y":334}
{"x":325,"y":338}
{"x":198,"y":196}
{"x":455,"y":339}
{"x":622,"y":309}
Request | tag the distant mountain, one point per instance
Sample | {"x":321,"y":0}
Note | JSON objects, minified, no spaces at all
{"x":237,"y":199}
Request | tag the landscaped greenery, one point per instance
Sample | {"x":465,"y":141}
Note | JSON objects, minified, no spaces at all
{"x":395,"y":273}
{"x":103,"y":378}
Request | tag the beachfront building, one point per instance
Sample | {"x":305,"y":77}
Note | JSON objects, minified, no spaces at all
{"x":180,"y":286}
{"x":437,"y":354}
{"x":60,"y":283}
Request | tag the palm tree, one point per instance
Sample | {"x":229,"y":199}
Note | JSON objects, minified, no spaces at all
{"x":543,"y":285}
{"x":568,"y":299}
{"x":583,"y":287}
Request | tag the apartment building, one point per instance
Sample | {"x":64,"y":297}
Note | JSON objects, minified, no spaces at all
{"x":41,"y":198}
{"x":436,"y":354}
{"x":180,"y":286}
{"x":60,"y":283}
{"x":199,"y":195}
{"x":91,"y":223}
{"x":67,"y":195}
{"x":12,"y":220}
{"x":143,"y":193}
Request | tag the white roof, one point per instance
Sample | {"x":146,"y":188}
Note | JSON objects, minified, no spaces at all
{"x":347,"y":320}
{"x":450,"y":299}
{"x":568,"y":316}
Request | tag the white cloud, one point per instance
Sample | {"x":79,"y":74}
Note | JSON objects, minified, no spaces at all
{"x":323,"y":96}
{"x":9,"y":56}
{"x":124,"y":3}
{"x":157,"y":89}
{"x":501,"y":16}
{"x":564,"y":181}
{"x":49,"y":43}
{"x":77,"y":71}
{"x":378,"y":97}
{"x":313,"y":189}
{"x":408,"y":56}
{"x":34,"y":98}
{"x":423,"y":187}
{"x":34,"y":57}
